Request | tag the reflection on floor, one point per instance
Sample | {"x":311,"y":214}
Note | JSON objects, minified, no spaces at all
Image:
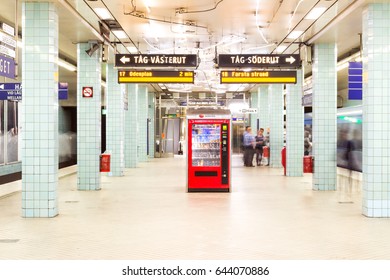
{"x":147,"y":214}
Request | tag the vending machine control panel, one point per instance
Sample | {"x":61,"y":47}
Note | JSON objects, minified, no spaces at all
{"x":225,"y":154}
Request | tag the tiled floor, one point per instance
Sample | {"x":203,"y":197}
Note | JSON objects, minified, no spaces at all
{"x":147,"y":214}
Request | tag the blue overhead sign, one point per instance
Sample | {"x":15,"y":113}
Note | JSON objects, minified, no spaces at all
{"x":11,"y":91}
{"x":7,"y":67}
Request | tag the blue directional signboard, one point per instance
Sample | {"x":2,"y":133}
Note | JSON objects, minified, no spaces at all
{"x":11,"y":91}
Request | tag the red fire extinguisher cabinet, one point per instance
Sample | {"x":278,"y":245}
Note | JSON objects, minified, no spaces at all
{"x":208,"y":150}
{"x":284,"y":159}
{"x":307,"y":164}
{"x":105,"y":162}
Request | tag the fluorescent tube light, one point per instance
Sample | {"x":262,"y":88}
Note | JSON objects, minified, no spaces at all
{"x":132,"y":49}
{"x":120,"y":34}
{"x":295,"y":34}
{"x":349,"y":113}
{"x":103,"y":13}
{"x":67,"y":65}
{"x":281,"y":49}
{"x":315,"y":13}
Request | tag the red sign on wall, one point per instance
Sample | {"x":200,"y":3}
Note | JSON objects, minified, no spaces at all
{"x":87,"y":91}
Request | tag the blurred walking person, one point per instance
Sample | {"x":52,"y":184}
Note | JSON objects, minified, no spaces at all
{"x":249,"y":147}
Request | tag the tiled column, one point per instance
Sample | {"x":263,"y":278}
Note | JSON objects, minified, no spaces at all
{"x":131,"y":129}
{"x":263,"y":108}
{"x":40,"y":107}
{"x":294,"y":128}
{"x":142,"y":122}
{"x":115,"y":130}
{"x":376,"y":105}
{"x":324,"y":116}
{"x":254,"y":105}
{"x":88,"y":119}
{"x":276,"y":124}
{"x":151,"y":105}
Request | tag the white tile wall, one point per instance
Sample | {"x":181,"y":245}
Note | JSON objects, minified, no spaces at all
{"x":276,"y":100}
{"x":151,"y":112}
{"x":115,"y":121}
{"x":142,"y":122}
{"x":254,"y":105}
{"x":40,"y":107}
{"x":88,"y":119}
{"x":324,"y":116}
{"x":131,"y":128}
{"x":263,"y":112}
{"x":294,"y":127}
{"x":376,"y":104}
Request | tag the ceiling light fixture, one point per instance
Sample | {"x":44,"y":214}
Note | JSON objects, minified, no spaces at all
{"x":281,"y":49}
{"x":132,"y":49}
{"x":315,"y":13}
{"x":103,"y":13}
{"x":295,"y":34}
{"x":119,"y":33}
{"x":66,"y":65}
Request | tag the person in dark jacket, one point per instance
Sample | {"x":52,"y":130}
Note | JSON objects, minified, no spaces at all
{"x":260,"y":141}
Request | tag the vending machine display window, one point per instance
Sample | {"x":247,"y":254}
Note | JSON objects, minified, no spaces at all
{"x":206,"y":145}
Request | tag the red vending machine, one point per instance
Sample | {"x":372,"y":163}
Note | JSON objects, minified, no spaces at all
{"x":208,"y":156}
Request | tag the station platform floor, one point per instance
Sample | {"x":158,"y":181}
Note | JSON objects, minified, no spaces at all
{"x":148,"y":215}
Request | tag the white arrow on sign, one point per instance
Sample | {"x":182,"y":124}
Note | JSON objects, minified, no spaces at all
{"x":125,"y":59}
{"x":2,"y":86}
{"x":290,"y":59}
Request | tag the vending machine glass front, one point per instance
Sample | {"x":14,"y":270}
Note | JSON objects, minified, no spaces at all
{"x":206,"y":144}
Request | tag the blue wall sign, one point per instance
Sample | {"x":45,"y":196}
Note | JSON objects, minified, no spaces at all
{"x":11,"y":91}
{"x":7,"y":67}
{"x":355,"y":81}
{"x":62,"y":91}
